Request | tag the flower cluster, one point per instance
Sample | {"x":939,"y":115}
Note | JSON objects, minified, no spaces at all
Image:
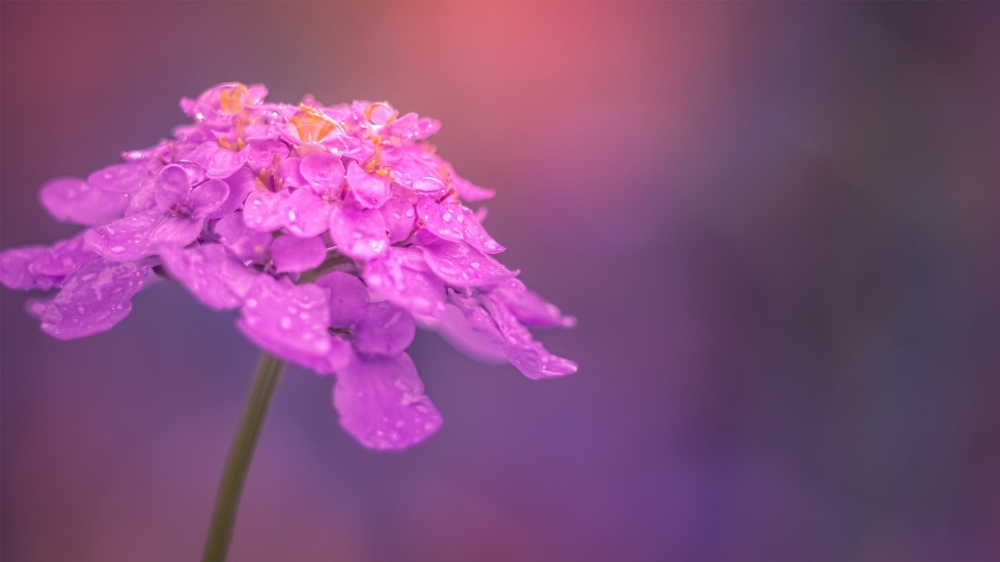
{"x":335,"y":231}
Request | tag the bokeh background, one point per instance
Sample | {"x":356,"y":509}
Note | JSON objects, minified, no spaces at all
{"x":778,"y":224}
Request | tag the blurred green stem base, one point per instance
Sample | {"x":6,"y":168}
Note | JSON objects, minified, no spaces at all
{"x":240,"y":453}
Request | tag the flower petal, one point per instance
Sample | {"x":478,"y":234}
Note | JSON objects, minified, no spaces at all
{"x":441,"y":219}
{"x":334,"y":361}
{"x":244,"y":242}
{"x":240,"y":185}
{"x":348,"y":298}
{"x":218,"y":162}
{"x":291,"y":253}
{"x":385,"y":329}
{"x":461,"y":265}
{"x":476,"y":236}
{"x":324,"y":171}
{"x":74,"y":200}
{"x":126,"y":239}
{"x":358,"y":234}
{"x":529,"y":356}
{"x":171,"y":188}
{"x":38,"y":267}
{"x":176,"y":231}
{"x":530,"y":308}
{"x":466,"y":189}
{"x":124,"y":178}
{"x":288,"y":320}
{"x":94,"y":298}
{"x":207,"y":197}
{"x":399,"y":218}
{"x":305,"y":214}
{"x":370,"y":190}
{"x":262,"y":153}
{"x":15,"y":273}
{"x":402,"y":277}
{"x":212,"y":276}
{"x":455,"y":329}
{"x":261,"y":211}
{"x":382,"y":403}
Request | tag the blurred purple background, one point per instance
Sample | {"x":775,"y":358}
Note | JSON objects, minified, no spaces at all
{"x":778,"y":224}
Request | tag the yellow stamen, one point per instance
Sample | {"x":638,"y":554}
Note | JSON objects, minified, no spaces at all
{"x":313,"y":125}
{"x":371,"y":109}
{"x":376,"y":160}
{"x":234,"y":100}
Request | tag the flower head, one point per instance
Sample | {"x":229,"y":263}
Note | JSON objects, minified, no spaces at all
{"x":335,"y":231}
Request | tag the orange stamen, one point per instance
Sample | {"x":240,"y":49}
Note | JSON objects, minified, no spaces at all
{"x":234,"y":100}
{"x":376,"y":160}
{"x":371,"y":109}
{"x":313,"y":125}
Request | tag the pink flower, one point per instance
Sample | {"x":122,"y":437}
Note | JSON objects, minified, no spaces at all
{"x":333,"y":230}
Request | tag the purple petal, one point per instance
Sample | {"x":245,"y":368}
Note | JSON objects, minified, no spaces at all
{"x":371,"y":190}
{"x":207,"y":197}
{"x":324,"y":171}
{"x":455,"y":329}
{"x":261,"y":211}
{"x":529,"y":356}
{"x":124,"y":178}
{"x":240,"y":185}
{"x":441,"y":219}
{"x":15,"y":273}
{"x":336,"y":360}
{"x":288,"y":320}
{"x":289,"y":174}
{"x":171,"y":189}
{"x":126,"y":239}
{"x":476,"y":236}
{"x":410,"y":126}
{"x":385,"y":329}
{"x":212,"y":276}
{"x":417,"y":170}
{"x":195,"y":173}
{"x":358,"y":234}
{"x":174,"y":195}
{"x":94,"y":299}
{"x":64,"y":257}
{"x":38,"y":267}
{"x":245,"y":243}
{"x":218,"y":162}
{"x":148,"y":155}
{"x":262,"y":153}
{"x":530,"y":308}
{"x":461,"y":265}
{"x":291,"y":253}
{"x":74,"y":200}
{"x":382,"y":403}
{"x":305,"y":214}
{"x":175,"y":231}
{"x":399,"y":218}
{"x":142,"y":200}
{"x":402,"y":277}
{"x":348,"y":298}
{"x":466,"y":189}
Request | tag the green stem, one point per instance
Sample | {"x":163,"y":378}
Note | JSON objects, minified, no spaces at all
{"x":240,"y":452}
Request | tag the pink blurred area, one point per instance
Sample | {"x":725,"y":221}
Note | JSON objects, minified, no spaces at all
{"x":776,"y":223}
